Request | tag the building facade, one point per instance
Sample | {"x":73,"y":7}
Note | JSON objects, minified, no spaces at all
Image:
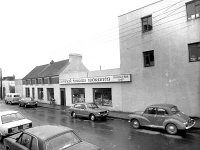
{"x":160,"y":48}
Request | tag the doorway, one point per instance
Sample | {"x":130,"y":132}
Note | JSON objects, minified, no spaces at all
{"x":62,"y":97}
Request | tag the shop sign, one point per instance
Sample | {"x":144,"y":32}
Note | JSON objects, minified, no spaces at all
{"x":102,"y":79}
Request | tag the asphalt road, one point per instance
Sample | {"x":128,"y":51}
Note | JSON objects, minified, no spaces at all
{"x":111,"y":134}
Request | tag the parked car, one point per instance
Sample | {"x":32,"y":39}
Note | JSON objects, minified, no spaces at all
{"x":90,"y":110}
{"x":47,"y":137}
{"x":28,"y":101}
{"x":164,"y":116}
{"x":12,"y":98}
{"x":12,"y":122}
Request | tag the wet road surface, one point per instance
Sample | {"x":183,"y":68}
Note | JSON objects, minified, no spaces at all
{"x":111,"y":134}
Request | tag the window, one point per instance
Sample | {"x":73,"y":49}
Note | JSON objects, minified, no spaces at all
{"x":194,"y":52}
{"x":33,"y":93}
{"x":27,"y":92}
{"x":78,"y":95}
{"x":40,"y":93}
{"x":193,"y":9}
{"x":161,"y":111}
{"x":147,"y":23}
{"x":148,"y":58}
{"x":150,"y":110}
{"x":102,"y":96}
{"x":50,"y":93}
{"x":25,"y":140}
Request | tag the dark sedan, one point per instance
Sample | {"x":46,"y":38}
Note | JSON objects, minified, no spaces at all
{"x":28,"y":101}
{"x":47,"y":137}
{"x":89,"y":110}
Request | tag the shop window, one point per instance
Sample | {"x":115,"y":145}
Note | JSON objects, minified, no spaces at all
{"x":147,"y":23}
{"x":40,"y":93}
{"x":193,"y":9}
{"x":50,"y":93}
{"x":78,"y":95}
{"x":194,"y":52}
{"x":148,"y":58}
{"x":27,"y":92}
{"x":102,"y":96}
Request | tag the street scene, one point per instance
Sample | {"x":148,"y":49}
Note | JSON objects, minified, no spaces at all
{"x":100,"y":75}
{"x":109,"y":134}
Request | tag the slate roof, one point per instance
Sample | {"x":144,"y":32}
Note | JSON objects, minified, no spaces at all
{"x":48,"y":70}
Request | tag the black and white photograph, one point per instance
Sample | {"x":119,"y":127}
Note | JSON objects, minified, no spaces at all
{"x":99,"y":74}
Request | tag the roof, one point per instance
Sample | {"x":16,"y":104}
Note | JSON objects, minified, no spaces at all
{"x":47,"y":131}
{"x":162,"y":105}
{"x":48,"y":70}
{"x":7,"y":112}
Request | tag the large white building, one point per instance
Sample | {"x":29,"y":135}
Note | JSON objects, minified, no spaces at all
{"x":160,"y":48}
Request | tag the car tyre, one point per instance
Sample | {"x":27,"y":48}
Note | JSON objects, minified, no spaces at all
{"x":73,"y":114}
{"x":135,"y":124}
{"x":171,"y":128}
{"x":92,"y":117}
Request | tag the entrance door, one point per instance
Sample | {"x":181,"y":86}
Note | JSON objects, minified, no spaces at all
{"x":62,"y":97}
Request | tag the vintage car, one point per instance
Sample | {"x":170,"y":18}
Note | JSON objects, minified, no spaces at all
{"x":12,"y":98}
{"x":164,"y":116}
{"x":12,"y":122}
{"x":89,"y":110}
{"x":47,"y":137}
{"x":28,"y":101}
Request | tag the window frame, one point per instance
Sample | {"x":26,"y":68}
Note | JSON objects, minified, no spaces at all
{"x":148,"y":23}
{"x":194,"y":5}
{"x":148,"y":54}
{"x":190,"y":53}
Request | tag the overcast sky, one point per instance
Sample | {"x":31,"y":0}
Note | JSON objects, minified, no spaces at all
{"x":34,"y":32}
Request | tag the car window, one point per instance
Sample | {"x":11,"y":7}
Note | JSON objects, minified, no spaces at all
{"x":11,"y":117}
{"x":77,"y":106}
{"x":175,"y":110}
{"x":161,"y":111}
{"x":92,"y":105}
{"x":82,"y":106}
{"x":34,"y":145}
{"x":25,"y":140}
{"x":63,"y":141}
{"x":150,"y":110}
{"x":16,"y":95}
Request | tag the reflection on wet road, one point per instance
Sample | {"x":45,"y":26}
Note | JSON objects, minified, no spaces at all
{"x":112,"y":134}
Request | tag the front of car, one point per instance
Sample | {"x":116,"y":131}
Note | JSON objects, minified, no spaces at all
{"x":13,"y":122}
{"x":99,"y":112}
{"x":28,"y":101}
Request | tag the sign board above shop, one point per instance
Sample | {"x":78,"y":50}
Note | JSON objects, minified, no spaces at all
{"x":102,"y":79}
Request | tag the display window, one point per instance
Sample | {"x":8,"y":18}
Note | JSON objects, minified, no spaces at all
{"x":78,"y":95}
{"x":102,"y":96}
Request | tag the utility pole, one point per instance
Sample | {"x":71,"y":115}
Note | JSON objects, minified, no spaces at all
{"x":1,"y":84}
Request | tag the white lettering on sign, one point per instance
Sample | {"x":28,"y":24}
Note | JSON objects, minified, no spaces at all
{"x":103,"y":79}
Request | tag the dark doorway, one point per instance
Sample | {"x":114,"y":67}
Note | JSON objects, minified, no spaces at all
{"x":62,"y":97}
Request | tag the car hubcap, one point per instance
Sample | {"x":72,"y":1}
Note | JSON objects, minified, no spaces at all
{"x":172,"y":129}
{"x":92,"y":117}
{"x":135,"y":124}
{"x":74,"y":115}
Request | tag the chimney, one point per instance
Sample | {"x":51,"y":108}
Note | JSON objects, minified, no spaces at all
{"x":75,"y":58}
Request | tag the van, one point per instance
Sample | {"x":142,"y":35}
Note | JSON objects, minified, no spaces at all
{"x":12,"y":98}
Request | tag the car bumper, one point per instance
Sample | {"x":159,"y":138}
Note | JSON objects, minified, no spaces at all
{"x":190,"y":125}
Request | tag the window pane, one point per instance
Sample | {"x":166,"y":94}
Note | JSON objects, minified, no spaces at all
{"x":78,"y":95}
{"x":190,"y":11}
{"x":102,"y":96}
{"x":194,"y":52}
{"x":198,"y":10}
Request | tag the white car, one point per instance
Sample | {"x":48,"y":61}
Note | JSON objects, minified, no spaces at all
{"x":13,"y":122}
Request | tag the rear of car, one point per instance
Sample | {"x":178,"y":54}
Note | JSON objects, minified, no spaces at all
{"x":12,"y":122}
{"x":28,"y":101}
{"x":12,"y":98}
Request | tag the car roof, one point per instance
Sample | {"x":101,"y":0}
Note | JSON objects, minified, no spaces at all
{"x":168,"y":106}
{"x":47,"y":131}
{"x":7,"y":112}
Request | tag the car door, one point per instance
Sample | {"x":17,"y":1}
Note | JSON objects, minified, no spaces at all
{"x":77,"y":109}
{"x":150,"y":115}
{"x":161,"y":115}
{"x":83,"y":110}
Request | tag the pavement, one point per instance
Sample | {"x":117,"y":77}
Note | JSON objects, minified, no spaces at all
{"x":112,"y":114}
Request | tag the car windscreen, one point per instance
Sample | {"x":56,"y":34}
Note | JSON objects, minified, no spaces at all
{"x":92,"y":105}
{"x":11,"y":117}
{"x":175,"y":110}
{"x":62,"y":141}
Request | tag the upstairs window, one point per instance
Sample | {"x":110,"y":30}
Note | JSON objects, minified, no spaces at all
{"x":194,"y":52}
{"x":193,"y":9}
{"x":147,"y":23}
{"x":148,"y":58}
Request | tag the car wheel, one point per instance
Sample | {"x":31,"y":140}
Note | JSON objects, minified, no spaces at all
{"x":171,"y":128}
{"x":135,"y":124}
{"x":92,"y":117}
{"x":73,"y":114}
